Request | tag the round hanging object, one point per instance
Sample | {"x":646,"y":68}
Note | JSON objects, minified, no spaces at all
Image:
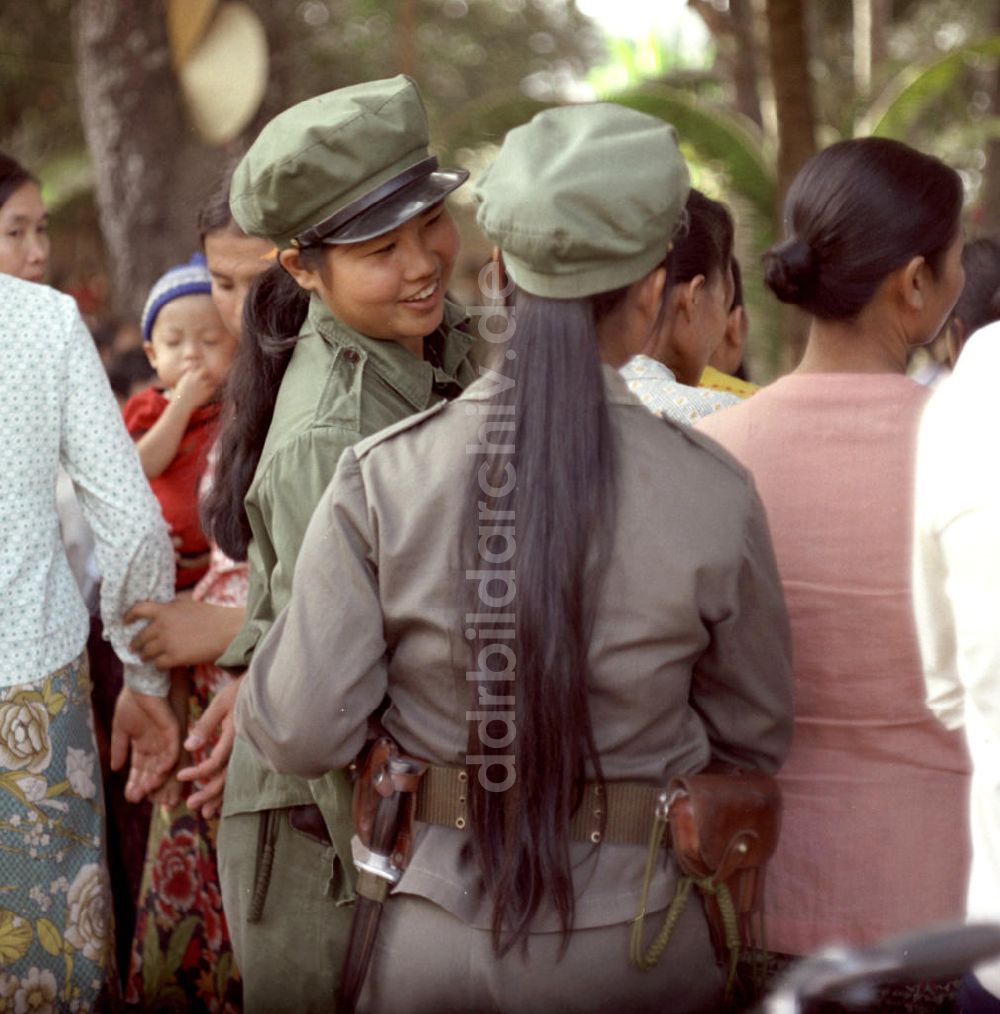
{"x":225,"y":74}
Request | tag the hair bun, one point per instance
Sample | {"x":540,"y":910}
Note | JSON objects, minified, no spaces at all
{"x":791,"y":270}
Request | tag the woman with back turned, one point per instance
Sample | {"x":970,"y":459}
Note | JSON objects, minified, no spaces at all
{"x":562,"y":596}
{"x":874,"y":837}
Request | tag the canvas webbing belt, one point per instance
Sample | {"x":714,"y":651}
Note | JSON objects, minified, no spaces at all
{"x":626,"y":808}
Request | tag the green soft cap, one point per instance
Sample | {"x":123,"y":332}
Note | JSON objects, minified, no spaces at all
{"x":583,"y":199}
{"x":320,"y":157}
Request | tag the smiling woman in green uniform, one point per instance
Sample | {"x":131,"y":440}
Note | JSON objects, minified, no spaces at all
{"x":563,"y":597}
{"x":351,"y":331}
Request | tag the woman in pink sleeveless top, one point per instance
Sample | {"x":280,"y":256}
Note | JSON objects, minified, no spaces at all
{"x":874,"y":839}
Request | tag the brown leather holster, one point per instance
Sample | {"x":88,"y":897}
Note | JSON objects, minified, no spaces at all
{"x":383,"y":806}
{"x":724,"y":827}
{"x":378,"y":778}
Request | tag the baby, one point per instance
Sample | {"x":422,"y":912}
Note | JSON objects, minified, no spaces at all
{"x":174,"y":425}
{"x":174,"y":422}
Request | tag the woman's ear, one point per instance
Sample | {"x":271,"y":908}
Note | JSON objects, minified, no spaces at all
{"x":914,"y":277}
{"x":648,"y":294}
{"x":688,"y":295}
{"x":306,"y":278}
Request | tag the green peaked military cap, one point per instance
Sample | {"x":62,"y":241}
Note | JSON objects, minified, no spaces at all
{"x":342,"y":167}
{"x":583,"y":199}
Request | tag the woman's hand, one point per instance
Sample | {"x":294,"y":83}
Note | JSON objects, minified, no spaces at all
{"x":171,"y":792}
{"x":210,"y":775}
{"x":147,"y":726}
{"x":183,"y":632}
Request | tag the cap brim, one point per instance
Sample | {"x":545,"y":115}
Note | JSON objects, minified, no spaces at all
{"x":403,"y":205}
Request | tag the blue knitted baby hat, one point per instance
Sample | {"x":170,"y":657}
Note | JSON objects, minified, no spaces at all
{"x":183,"y":280}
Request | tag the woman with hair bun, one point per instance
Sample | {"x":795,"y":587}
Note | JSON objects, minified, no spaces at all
{"x":873,"y":838}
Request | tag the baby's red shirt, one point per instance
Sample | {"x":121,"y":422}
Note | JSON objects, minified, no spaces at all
{"x":176,"y":487}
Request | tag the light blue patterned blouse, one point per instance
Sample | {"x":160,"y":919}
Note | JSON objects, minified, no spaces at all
{"x":658,"y":389}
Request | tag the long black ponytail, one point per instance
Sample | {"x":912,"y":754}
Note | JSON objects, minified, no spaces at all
{"x":549,"y":472}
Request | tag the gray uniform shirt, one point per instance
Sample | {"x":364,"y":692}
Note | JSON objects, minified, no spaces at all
{"x":689,"y":657}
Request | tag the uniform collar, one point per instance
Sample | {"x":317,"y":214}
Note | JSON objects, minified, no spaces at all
{"x":413,"y":379}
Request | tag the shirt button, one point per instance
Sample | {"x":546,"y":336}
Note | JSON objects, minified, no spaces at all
{"x":351,"y":355}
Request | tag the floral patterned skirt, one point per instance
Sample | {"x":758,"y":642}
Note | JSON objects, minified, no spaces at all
{"x":181,"y":955}
{"x":56,"y":925}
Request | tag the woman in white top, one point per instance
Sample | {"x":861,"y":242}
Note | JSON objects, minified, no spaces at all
{"x":56,"y":408}
{"x":956,"y":594}
{"x":666,"y":374}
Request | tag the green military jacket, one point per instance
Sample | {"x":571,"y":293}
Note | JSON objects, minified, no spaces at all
{"x":340,"y":386}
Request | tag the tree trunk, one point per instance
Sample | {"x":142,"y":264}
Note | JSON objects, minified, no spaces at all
{"x":871,"y":19}
{"x":795,"y":112}
{"x":990,"y":222}
{"x":793,"y":88}
{"x":881,"y":19}
{"x":745,"y":60}
{"x":150,"y":172}
{"x":862,"y":22}
{"x":733,"y":32}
